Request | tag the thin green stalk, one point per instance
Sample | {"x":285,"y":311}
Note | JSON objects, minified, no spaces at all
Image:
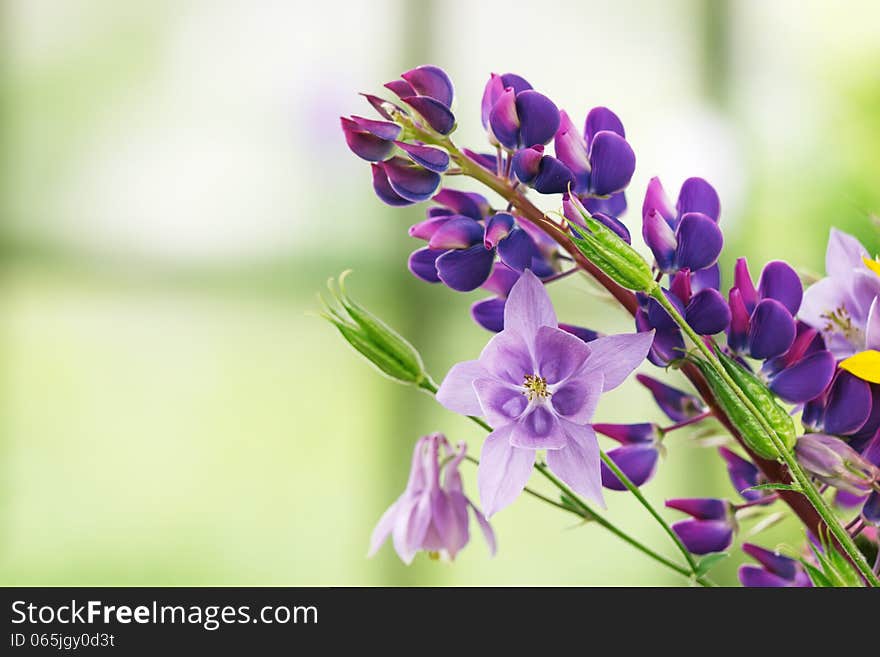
{"x":803,"y":480}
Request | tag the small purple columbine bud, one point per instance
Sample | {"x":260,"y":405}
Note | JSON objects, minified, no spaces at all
{"x":743,"y":475}
{"x":833,"y":462}
{"x":775,"y":571}
{"x":637,"y":456}
{"x":428,"y":90}
{"x":522,"y":118}
{"x":677,"y":404}
{"x":762,"y":321}
{"x":601,"y":161}
{"x":432,"y":514}
{"x":710,"y":529}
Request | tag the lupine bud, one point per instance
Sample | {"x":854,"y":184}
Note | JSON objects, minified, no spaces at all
{"x":428,"y":90}
{"x":710,"y":529}
{"x":677,"y":404}
{"x":601,"y":162}
{"x":744,"y":475}
{"x":776,"y":570}
{"x":522,"y":118}
{"x":833,"y":462}
{"x":390,"y":353}
{"x":637,"y":456}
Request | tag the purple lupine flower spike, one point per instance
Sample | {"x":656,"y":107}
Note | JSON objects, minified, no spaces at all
{"x":775,"y":570}
{"x":519,"y":116}
{"x":744,"y":475}
{"x":711,"y":527}
{"x":538,"y":386}
{"x":676,"y":404}
{"x":432,"y":513}
{"x":833,"y":462}
{"x":637,"y":456}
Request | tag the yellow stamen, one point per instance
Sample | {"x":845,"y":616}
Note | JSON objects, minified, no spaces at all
{"x":865,"y":365}
{"x":535,"y":386}
{"x":873,"y":265}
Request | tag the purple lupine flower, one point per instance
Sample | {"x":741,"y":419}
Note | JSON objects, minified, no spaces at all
{"x":804,"y":371}
{"x":601,"y":161}
{"x":463,"y":239}
{"x":744,"y":475}
{"x":843,"y":305}
{"x":833,"y":462}
{"x":842,"y":409}
{"x":775,"y":570}
{"x":762,"y":322}
{"x":432,"y":513}
{"x":428,"y":90}
{"x":369,"y":139}
{"x":676,"y":404}
{"x":689,"y":237}
{"x":538,"y":386}
{"x":711,"y":527}
{"x":637,"y":456}
{"x":516,"y":115}
{"x":545,"y":173}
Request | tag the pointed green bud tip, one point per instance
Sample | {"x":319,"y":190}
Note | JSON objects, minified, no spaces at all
{"x":605,"y":249}
{"x":381,"y":345}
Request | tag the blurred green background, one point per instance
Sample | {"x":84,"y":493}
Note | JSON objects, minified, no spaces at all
{"x":175,"y":190}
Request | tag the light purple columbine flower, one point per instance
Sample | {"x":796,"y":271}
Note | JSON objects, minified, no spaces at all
{"x":601,"y":161}
{"x":843,"y":305}
{"x":678,"y":405}
{"x":538,"y":386}
{"x":775,"y":570}
{"x":432,"y":513}
{"x":711,"y":527}
{"x":687,"y":237}
{"x":637,"y":456}
{"x":516,"y":115}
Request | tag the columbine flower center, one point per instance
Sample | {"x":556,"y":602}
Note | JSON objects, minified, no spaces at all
{"x":535,"y":387}
{"x":839,"y":321}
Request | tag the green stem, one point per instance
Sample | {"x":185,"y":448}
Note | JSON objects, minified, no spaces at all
{"x":803,"y":480}
{"x":649,"y":508}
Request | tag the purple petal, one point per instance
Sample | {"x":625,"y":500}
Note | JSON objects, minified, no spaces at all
{"x":382,"y":129}
{"x":502,"y":280}
{"x":528,"y":308}
{"x":630,"y":434}
{"x":518,"y":250}
{"x":366,"y":146}
{"x":676,"y":404}
{"x":504,"y":121}
{"x":467,"y":203}
{"x":503,"y":471}
{"x":538,"y":118}
{"x":423,"y":264}
{"x":518,"y":82}
{"x":657,"y":314}
{"x":558,"y":354}
{"x":696,"y":195}
{"x":491,"y":92}
{"x":779,"y":281}
{"x":743,"y":474}
{"x":412,"y":524}
{"x":708,"y":312}
{"x":489,"y":313}
{"x":702,"y":508}
{"x":699,"y":242}
{"x":585,"y":334}
{"x":464,"y":270}
{"x":756,"y":577}
{"x":771,"y":331}
{"x":457,"y":233}
{"x":602,"y":118}
{"x":497,"y":228}
{"x":506,"y":357}
{"x":435,"y":113}
{"x":848,"y":406}
{"x":681,"y":285}
{"x":383,"y":529}
{"x":433,"y":159}
{"x":576,"y":399}
{"x":844,"y":254}
{"x":613,"y":206}
{"x":382,"y":106}
{"x":457,"y":393}
{"x":616,"y":356}
{"x":527,"y":163}
{"x":742,"y":280}
{"x":772,"y":561}
{"x":657,"y":201}
{"x":486,"y":528}
{"x":383,"y":188}
{"x":872,"y":326}
{"x":578,"y":463}
{"x":614,"y":224}
{"x":704,"y":536}
{"x":612,"y":161}
{"x":401,"y":88}
{"x":738,"y":332}
{"x":706,"y":279}
{"x":431,"y":81}
{"x":410,"y":181}
{"x":424,"y":230}
{"x":871,"y":510}
{"x":660,"y":239}
{"x":488,"y":161}
{"x":538,"y":428}
{"x":553,"y":177}
{"x":501,"y":403}
{"x":638,"y":463}
{"x":806,"y":379}
{"x":570,"y":148}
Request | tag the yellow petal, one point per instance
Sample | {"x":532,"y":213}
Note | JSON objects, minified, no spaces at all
{"x":865,"y":365}
{"x":873,"y":265}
